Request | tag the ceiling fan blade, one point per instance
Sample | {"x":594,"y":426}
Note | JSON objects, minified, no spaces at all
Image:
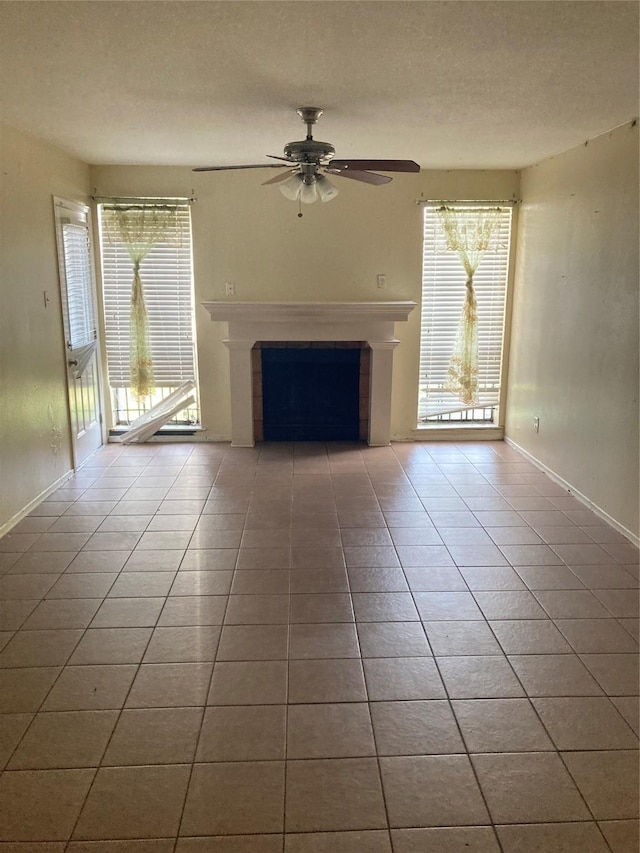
{"x":365,"y":177}
{"x":286,"y":159}
{"x":230,"y":168}
{"x":381,"y":165}
{"x":279,"y":178}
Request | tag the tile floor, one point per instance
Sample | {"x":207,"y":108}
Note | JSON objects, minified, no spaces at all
{"x":317,"y":649}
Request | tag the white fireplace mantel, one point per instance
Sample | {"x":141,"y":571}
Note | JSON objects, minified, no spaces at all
{"x":250,"y":322}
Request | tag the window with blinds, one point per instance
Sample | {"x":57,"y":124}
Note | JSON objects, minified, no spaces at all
{"x":74,"y":247}
{"x":166,"y":275}
{"x":443,"y":296}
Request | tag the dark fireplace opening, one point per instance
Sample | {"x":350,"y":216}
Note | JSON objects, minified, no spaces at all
{"x":312,"y":392}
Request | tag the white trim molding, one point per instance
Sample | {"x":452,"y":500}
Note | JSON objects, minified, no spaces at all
{"x":251,"y":322}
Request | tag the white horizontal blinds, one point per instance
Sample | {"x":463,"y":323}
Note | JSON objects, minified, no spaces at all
{"x":443,"y":295}
{"x":77,"y":282}
{"x":168,"y":292}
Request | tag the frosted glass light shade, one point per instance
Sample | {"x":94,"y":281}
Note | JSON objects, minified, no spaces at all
{"x":326,"y":189}
{"x":291,"y":188}
{"x":308,"y":193}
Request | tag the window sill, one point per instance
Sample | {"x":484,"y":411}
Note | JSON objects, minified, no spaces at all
{"x":458,"y":432}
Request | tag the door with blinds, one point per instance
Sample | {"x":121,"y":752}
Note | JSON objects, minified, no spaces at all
{"x":79,"y":314}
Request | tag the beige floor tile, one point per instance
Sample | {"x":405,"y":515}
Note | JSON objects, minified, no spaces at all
{"x":231,"y":844}
{"x":64,"y":740}
{"x":38,"y":805}
{"x":88,"y":688}
{"x":39,"y":648}
{"x":249,"y":683}
{"x":321,"y":607}
{"x":119,"y":541}
{"x":585,"y":723}
{"x":368,"y":536}
{"x":629,"y":707}
{"x":154,"y":736}
{"x":209,"y":560}
{"x":454,"y":797}
{"x":111,"y":645}
{"x":392,"y":639}
{"x":507,"y":604}
{"x":608,"y":781}
{"x":188,"y":644}
{"x":450,"y":839}
{"x":62,"y":613}
{"x":27,"y":586}
{"x":326,"y":681}
{"x":193,"y":610}
{"x":317,"y":557}
{"x":528,"y":788}
{"x":549,"y":577}
{"x":266,"y":582}
{"x":529,"y":637}
{"x":384,"y":607}
{"x":55,"y":541}
{"x":606,"y":576}
{"x":415,"y":728}
{"x":257,"y":610}
{"x":101,"y":562}
{"x":170,"y":685}
{"x":336,"y":640}
{"x":12,"y":727}
{"x":482,"y":677}
{"x":363,"y":841}
{"x":597,"y":636}
{"x":154,"y":845}
{"x":125,"y":523}
{"x":263,"y":558}
{"x":500,"y":725}
{"x":141,"y":585}
{"x":33,"y":846}
{"x":243,"y":733}
{"x":154,"y":561}
{"x":623,"y":836}
{"x":14,"y":613}
{"x":334,"y":794}
{"x":446,"y":606}
{"x":322,"y":581}
{"x":461,"y":638}
{"x":619,"y":603}
{"x":265,"y":538}
{"x":340,"y":730}
{"x":377,"y":580}
{"x":554,"y":675}
{"x":253,"y":642}
{"x":552,"y":838}
{"x":233,"y":798}
{"x":201,"y":583}
{"x":127,"y":612}
{"x":572,"y":604}
{"x":402,"y":678}
{"x":82,"y":585}
{"x":38,"y":562}
{"x":435,"y":579}
{"x":134,"y":802}
{"x":618,"y":675}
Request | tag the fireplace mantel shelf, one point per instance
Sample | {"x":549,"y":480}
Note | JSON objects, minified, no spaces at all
{"x":250,"y":322}
{"x":334,"y":312}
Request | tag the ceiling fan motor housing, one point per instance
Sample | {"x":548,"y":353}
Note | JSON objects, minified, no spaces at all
{"x":309,"y":151}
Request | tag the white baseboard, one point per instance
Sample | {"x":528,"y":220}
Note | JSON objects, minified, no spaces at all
{"x":632,"y":537}
{"x":7,"y":526}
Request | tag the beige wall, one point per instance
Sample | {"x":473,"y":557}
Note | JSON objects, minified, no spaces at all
{"x":251,"y":235}
{"x":34,"y":423}
{"x":574,"y":355}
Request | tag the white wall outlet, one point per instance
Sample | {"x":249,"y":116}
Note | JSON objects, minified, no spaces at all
{"x":536,"y":424}
{"x":230,"y":288}
{"x":382,"y":280}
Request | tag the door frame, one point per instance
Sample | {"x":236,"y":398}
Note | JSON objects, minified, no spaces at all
{"x":84,"y":209}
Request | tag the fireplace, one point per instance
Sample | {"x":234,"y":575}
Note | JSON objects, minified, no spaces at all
{"x":332,"y":324}
{"x":310,"y":391}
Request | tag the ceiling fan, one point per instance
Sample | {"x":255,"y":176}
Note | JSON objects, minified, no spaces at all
{"x":312,"y":161}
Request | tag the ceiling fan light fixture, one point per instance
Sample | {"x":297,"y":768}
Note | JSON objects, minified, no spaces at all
{"x":308,"y":192}
{"x":292,"y":187}
{"x":326,"y":189}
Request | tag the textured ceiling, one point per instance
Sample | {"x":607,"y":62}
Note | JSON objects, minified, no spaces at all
{"x":454,"y":84}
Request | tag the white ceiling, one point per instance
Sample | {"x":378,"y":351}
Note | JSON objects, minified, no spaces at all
{"x":452,"y":84}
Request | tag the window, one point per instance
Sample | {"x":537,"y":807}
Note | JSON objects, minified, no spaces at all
{"x":443,"y":297}
{"x":166,"y":276}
